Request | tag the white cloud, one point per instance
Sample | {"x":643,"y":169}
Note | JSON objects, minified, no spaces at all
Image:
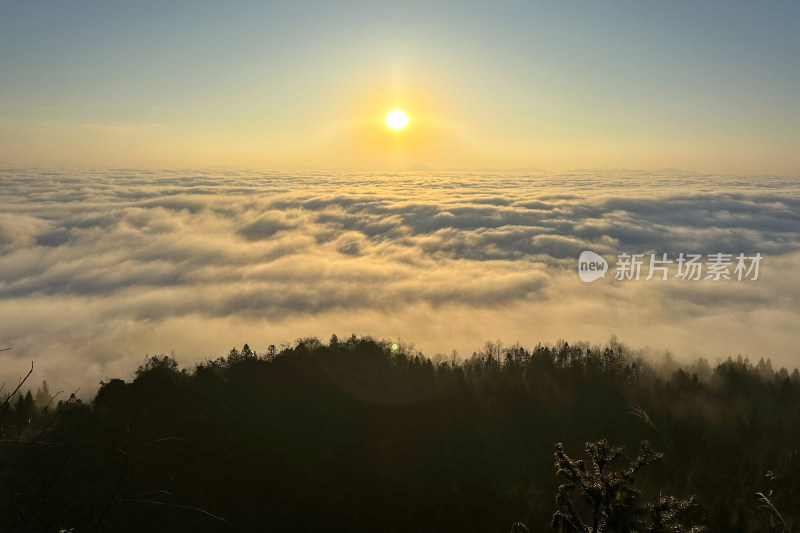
{"x":98,"y":268}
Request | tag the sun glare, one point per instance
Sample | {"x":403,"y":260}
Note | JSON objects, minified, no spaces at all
{"x":397,"y":119}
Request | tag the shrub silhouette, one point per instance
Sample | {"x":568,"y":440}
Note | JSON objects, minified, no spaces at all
{"x":610,"y":496}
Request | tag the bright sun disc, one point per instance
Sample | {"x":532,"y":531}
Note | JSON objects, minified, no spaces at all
{"x":397,"y":119}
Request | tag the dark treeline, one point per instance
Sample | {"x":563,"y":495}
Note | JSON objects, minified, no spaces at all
{"x":353,"y":435}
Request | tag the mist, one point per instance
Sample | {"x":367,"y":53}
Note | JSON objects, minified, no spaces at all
{"x":102,"y":268}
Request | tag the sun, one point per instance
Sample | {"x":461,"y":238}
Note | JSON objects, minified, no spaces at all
{"x":397,"y":119}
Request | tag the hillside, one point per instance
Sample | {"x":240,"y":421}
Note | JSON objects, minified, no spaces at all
{"x":354,"y":435}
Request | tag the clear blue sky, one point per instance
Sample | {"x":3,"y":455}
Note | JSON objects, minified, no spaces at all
{"x":706,"y":85}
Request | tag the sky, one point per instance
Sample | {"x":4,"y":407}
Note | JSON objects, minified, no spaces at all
{"x":705,"y":86}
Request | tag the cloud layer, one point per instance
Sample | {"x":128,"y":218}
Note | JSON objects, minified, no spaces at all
{"x":98,"y":268}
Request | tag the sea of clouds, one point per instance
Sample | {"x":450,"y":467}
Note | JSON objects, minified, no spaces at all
{"x":100,"y":268}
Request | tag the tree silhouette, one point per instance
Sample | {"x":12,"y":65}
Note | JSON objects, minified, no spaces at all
{"x":354,"y":436}
{"x":43,"y":396}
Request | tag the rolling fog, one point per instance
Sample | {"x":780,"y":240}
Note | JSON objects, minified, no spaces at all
{"x":100,"y":268}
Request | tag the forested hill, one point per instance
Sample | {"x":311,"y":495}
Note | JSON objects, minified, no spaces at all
{"x":358,"y":435}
